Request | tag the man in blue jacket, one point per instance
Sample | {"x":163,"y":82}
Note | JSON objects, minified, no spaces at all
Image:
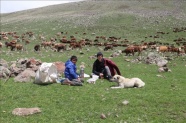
{"x":70,"y":70}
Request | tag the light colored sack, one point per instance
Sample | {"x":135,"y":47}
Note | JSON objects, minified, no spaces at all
{"x":46,"y":74}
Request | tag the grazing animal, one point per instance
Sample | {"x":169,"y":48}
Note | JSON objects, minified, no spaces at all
{"x":174,"y":49}
{"x":184,"y":48}
{"x":137,"y":49}
{"x":19,"y":47}
{"x":132,"y":49}
{"x":60,"y":47}
{"x":37,"y":47}
{"x":5,"y":38}
{"x":75,"y":45}
{"x":8,"y":44}
{"x":11,"y":44}
{"x":129,"y":50}
{"x":108,"y":47}
{"x":126,"y":82}
{"x":162,"y":49}
{"x":46,"y":44}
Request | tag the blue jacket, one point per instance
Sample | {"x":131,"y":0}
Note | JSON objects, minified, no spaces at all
{"x":70,"y":70}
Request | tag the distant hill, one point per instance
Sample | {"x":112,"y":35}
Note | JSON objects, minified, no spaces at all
{"x":96,"y":8}
{"x":100,"y":15}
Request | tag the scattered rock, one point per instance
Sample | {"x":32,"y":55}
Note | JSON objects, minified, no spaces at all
{"x":4,"y":72}
{"x":25,"y":76}
{"x":125,"y":102}
{"x":164,"y":69}
{"x":154,"y":58}
{"x":25,"y":111}
{"x":128,"y":60}
{"x":103,"y":116}
{"x":60,"y":67}
{"x":159,"y":75}
{"x":3,"y":63}
{"x":92,"y":57}
{"x":115,"y":54}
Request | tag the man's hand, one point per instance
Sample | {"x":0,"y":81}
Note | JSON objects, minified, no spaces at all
{"x":101,"y":75}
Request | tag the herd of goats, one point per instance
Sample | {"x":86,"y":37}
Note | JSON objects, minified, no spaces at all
{"x":60,"y":41}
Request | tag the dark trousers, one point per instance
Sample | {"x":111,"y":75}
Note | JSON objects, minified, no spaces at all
{"x":76,"y":82}
{"x":107,"y":73}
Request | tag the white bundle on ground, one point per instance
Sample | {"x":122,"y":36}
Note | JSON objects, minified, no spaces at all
{"x":93,"y":79}
{"x":46,"y":74}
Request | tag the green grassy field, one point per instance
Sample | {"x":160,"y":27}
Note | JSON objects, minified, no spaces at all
{"x":162,"y":100}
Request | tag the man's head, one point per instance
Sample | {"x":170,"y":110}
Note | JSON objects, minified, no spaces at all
{"x":99,"y":56}
{"x":73,"y":59}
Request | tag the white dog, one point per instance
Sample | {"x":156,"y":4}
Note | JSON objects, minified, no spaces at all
{"x":126,"y":82}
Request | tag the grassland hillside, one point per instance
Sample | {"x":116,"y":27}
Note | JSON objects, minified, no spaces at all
{"x":162,"y":100}
{"x":118,"y":17}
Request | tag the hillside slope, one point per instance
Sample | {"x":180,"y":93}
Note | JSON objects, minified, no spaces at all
{"x":93,"y":8}
{"x":118,"y":17}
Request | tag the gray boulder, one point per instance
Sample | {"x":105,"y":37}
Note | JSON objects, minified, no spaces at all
{"x":4,"y":72}
{"x":26,"y":76}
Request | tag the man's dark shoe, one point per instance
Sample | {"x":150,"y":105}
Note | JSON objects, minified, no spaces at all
{"x":110,"y":79}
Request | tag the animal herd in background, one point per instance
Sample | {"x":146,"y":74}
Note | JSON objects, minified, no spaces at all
{"x":61,"y":41}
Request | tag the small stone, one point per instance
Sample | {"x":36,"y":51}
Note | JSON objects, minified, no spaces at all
{"x":103,"y":116}
{"x":125,"y":102}
{"x":25,"y":111}
{"x":159,"y":75}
